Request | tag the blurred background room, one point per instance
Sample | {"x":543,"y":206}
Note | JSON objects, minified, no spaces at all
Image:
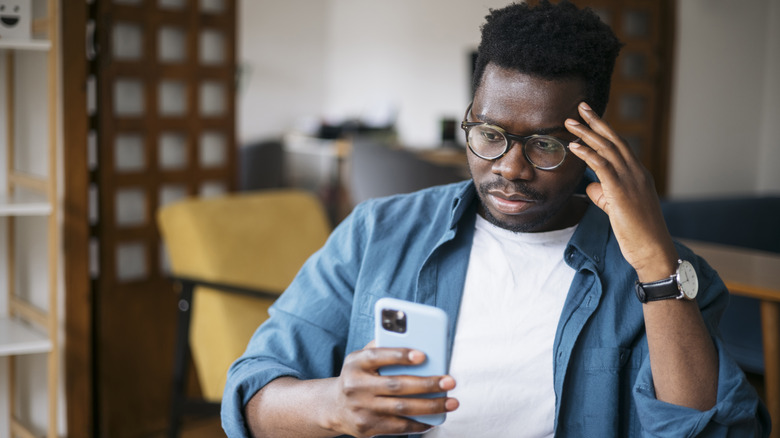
{"x":122,"y":120}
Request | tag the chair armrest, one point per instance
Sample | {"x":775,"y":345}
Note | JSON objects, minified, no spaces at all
{"x":190,"y":282}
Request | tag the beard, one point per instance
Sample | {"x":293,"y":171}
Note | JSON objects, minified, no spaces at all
{"x":531,"y":224}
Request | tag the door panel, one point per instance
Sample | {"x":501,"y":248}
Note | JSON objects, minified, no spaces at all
{"x":640,"y":97}
{"x":164,"y":130}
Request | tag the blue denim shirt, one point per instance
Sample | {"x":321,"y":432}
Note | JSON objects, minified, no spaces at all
{"x":416,"y":247}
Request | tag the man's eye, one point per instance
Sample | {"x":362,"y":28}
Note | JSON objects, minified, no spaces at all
{"x":546,"y":145}
{"x":491,"y":136}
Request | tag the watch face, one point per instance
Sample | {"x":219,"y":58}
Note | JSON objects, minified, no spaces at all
{"x":687,"y":279}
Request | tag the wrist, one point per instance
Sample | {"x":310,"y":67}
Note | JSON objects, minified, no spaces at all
{"x":327,"y":417}
{"x":683,"y":284}
{"x":659,"y":266}
{"x":659,"y":271}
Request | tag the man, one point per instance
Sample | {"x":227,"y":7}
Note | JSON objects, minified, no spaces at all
{"x":550,"y":338}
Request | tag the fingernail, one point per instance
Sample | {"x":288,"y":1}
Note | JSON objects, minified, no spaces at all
{"x":416,"y":356}
{"x":447,"y":383}
{"x":574,"y":145}
{"x":572,"y":122}
{"x":585,"y":106}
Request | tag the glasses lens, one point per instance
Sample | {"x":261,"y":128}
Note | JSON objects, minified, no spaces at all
{"x":487,"y":141}
{"x":545,"y":152}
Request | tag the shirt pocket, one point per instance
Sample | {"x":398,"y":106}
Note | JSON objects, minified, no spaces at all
{"x":608,"y":379}
{"x":366,"y":299}
{"x":361,"y":329}
{"x":365,"y":302}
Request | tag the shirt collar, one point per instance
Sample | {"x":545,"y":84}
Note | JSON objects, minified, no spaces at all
{"x":590,"y":238}
{"x":462,"y":203}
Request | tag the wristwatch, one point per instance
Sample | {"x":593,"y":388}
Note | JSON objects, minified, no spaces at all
{"x":683,"y":284}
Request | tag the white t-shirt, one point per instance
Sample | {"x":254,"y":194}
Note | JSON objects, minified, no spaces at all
{"x":502,"y":358}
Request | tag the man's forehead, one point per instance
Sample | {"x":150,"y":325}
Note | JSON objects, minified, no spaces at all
{"x":507,"y":80}
{"x":504,"y":98}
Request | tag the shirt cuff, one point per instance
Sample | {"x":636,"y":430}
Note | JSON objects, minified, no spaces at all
{"x":247,"y":378}
{"x":738,"y":411}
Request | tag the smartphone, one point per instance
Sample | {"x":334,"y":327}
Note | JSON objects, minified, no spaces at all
{"x":399,"y":323}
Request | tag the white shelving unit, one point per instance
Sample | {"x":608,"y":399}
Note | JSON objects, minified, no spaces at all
{"x":16,"y":339}
{"x":34,"y":44}
{"x":31,"y":328}
{"x":29,"y":206}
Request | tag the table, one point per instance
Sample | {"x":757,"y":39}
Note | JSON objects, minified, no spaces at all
{"x":754,"y":274}
{"x":322,"y":169}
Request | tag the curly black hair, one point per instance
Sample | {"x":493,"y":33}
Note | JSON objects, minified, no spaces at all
{"x":551,"y":41}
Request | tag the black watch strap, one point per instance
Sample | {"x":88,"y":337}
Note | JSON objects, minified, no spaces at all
{"x":658,"y":290}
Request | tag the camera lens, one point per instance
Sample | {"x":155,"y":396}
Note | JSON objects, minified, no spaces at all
{"x":394,"y":320}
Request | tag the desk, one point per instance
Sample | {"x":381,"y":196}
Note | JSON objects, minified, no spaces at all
{"x":754,"y":274}
{"x":319,"y":165}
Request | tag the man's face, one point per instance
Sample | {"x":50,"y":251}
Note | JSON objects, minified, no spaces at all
{"x":514,"y":195}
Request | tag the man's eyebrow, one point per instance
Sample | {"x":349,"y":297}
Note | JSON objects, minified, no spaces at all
{"x":552,"y":130}
{"x":539,"y":131}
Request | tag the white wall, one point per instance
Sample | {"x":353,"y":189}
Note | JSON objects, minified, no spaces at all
{"x":414,"y":54}
{"x":282,"y":53}
{"x":351,"y":57}
{"x":724,"y":127}
{"x":769,"y":155}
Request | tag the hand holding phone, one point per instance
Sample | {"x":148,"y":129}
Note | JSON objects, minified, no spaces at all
{"x":421,"y":327}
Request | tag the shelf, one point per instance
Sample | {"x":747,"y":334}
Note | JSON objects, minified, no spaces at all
{"x":28,"y":206}
{"x":34,"y":44}
{"x":19,"y":338}
{"x":31,"y":63}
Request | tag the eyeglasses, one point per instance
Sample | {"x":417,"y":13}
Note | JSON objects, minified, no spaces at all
{"x":491,"y":142}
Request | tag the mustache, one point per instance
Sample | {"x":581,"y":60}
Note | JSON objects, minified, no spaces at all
{"x":512,"y":187}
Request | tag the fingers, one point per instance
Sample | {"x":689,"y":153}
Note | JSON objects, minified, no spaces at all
{"x":369,"y":427}
{"x":360,"y":373}
{"x":598,"y":125}
{"x":410,"y":407}
{"x":396,"y":385}
{"x":373,"y":358}
{"x":391,"y":415}
{"x":373,"y":404}
{"x":600,"y":137}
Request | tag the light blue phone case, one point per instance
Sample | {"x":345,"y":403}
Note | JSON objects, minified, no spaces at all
{"x":426,"y":330}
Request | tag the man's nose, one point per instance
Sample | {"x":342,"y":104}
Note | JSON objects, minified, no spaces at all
{"x":513,"y":165}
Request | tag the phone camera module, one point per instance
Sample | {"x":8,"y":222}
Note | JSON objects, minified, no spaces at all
{"x":394,"y":320}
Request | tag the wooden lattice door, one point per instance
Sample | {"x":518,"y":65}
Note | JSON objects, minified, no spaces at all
{"x":640,"y":99}
{"x":163,"y":130}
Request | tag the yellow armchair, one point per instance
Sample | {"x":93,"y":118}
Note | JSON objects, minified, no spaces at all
{"x":232,"y":256}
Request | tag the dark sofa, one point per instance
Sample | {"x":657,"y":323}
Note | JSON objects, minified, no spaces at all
{"x":749,"y":222}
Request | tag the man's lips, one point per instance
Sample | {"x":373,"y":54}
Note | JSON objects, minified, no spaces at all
{"x":510,"y":204}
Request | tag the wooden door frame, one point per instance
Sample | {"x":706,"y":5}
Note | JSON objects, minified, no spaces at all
{"x":657,"y":159}
{"x":79,"y":360}
{"x":80,"y":305}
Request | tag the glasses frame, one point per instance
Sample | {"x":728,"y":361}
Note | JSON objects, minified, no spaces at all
{"x":510,"y":138}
